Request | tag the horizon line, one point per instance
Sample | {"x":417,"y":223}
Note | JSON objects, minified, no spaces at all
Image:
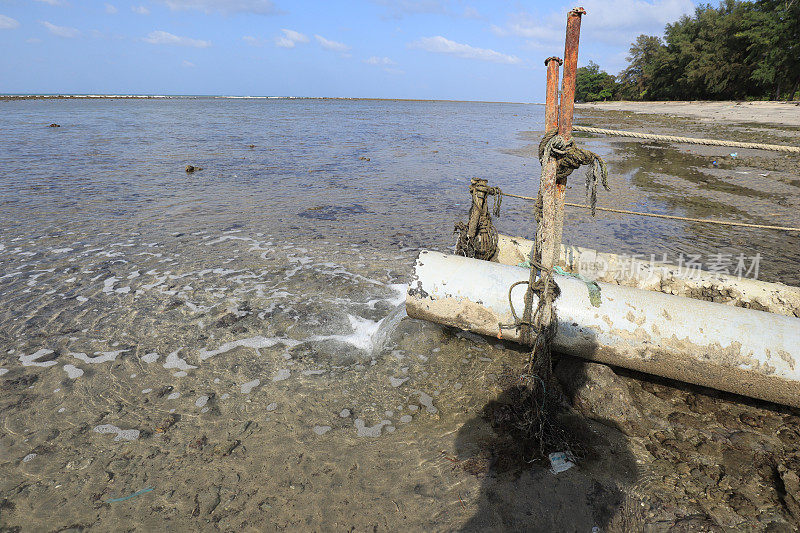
{"x":244,"y":97}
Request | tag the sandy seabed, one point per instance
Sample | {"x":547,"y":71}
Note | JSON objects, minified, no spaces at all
{"x":157,"y":375}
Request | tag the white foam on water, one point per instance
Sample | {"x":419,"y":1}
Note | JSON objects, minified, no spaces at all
{"x":122,"y":434}
{"x":282,"y":374}
{"x":362,"y":336}
{"x":73,"y":372}
{"x":173,"y":361}
{"x":400,"y":290}
{"x":31,"y":360}
{"x":246,"y":388}
{"x":101,"y":357}
{"x":252,"y":342}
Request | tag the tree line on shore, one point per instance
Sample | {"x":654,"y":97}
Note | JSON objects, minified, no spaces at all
{"x":738,"y":50}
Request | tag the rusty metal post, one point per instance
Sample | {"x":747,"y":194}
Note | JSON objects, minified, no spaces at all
{"x":550,"y":227}
{"x":566,"y":111}
{"x":545,"y":229}
{"x":551,"y":97}
{"x":570,"y":72}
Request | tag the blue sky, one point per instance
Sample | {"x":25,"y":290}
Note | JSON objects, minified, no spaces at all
{"x":439,"y":49}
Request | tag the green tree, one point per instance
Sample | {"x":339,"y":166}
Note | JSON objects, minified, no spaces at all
{"x":739,"y":49}
{"x":645,"y":60}
{"x":772,"y":29}
{"x":593,"y":84}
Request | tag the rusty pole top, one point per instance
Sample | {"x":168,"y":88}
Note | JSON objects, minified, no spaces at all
{"x":551,"y":94}
{"x":553,"y":58}
{"x":570,"y":72}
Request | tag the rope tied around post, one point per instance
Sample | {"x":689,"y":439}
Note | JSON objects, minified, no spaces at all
{"x":478,"y":237}
{"x":569,"y":158}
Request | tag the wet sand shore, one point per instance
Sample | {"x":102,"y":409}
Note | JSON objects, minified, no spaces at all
{"x":781,"y":113}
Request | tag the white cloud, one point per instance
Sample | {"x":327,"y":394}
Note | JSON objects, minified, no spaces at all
{"x":61,"y":31}
{"x":7,"y":23}
{"x":379,"y":61}
{"x":187,"y":64}
{"x":290,"y":38}
{"x":440,"y":45}
{"x":111,"y":9}
{"x":331,"y":45}
{"x":263,"y":7}
{"x":140,"y":10}
{"x":386,"y":64}
{"x":614,"y":22}
{"x":162,"y":37}
{"x":53,"y":2}
{"x":33,"y":40}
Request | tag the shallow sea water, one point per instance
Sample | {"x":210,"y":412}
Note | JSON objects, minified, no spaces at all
{"x":235,"y":339}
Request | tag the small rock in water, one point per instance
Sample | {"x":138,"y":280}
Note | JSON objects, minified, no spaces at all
{"x":122,"y":434}
{"x":272,"y":406}
{"x":345,"y":413}
{"x":73,"y":371}
{"x":282,"y":374}
{"x":246,"y":388}
{"x":192,"y":168}
{"x":28,"y":457}
{"x":54,"y":125}
{"x":321,"y":430}
{"x":396,"y":382}
{"x":365,"y":431}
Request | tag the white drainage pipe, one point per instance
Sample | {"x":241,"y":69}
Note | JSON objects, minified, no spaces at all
{"x":738,"y":350}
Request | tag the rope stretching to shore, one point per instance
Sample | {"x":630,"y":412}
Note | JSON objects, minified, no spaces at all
{"x":689,"y":140}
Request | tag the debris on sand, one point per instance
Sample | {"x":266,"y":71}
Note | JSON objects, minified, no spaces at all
{"x":135,"y":494}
